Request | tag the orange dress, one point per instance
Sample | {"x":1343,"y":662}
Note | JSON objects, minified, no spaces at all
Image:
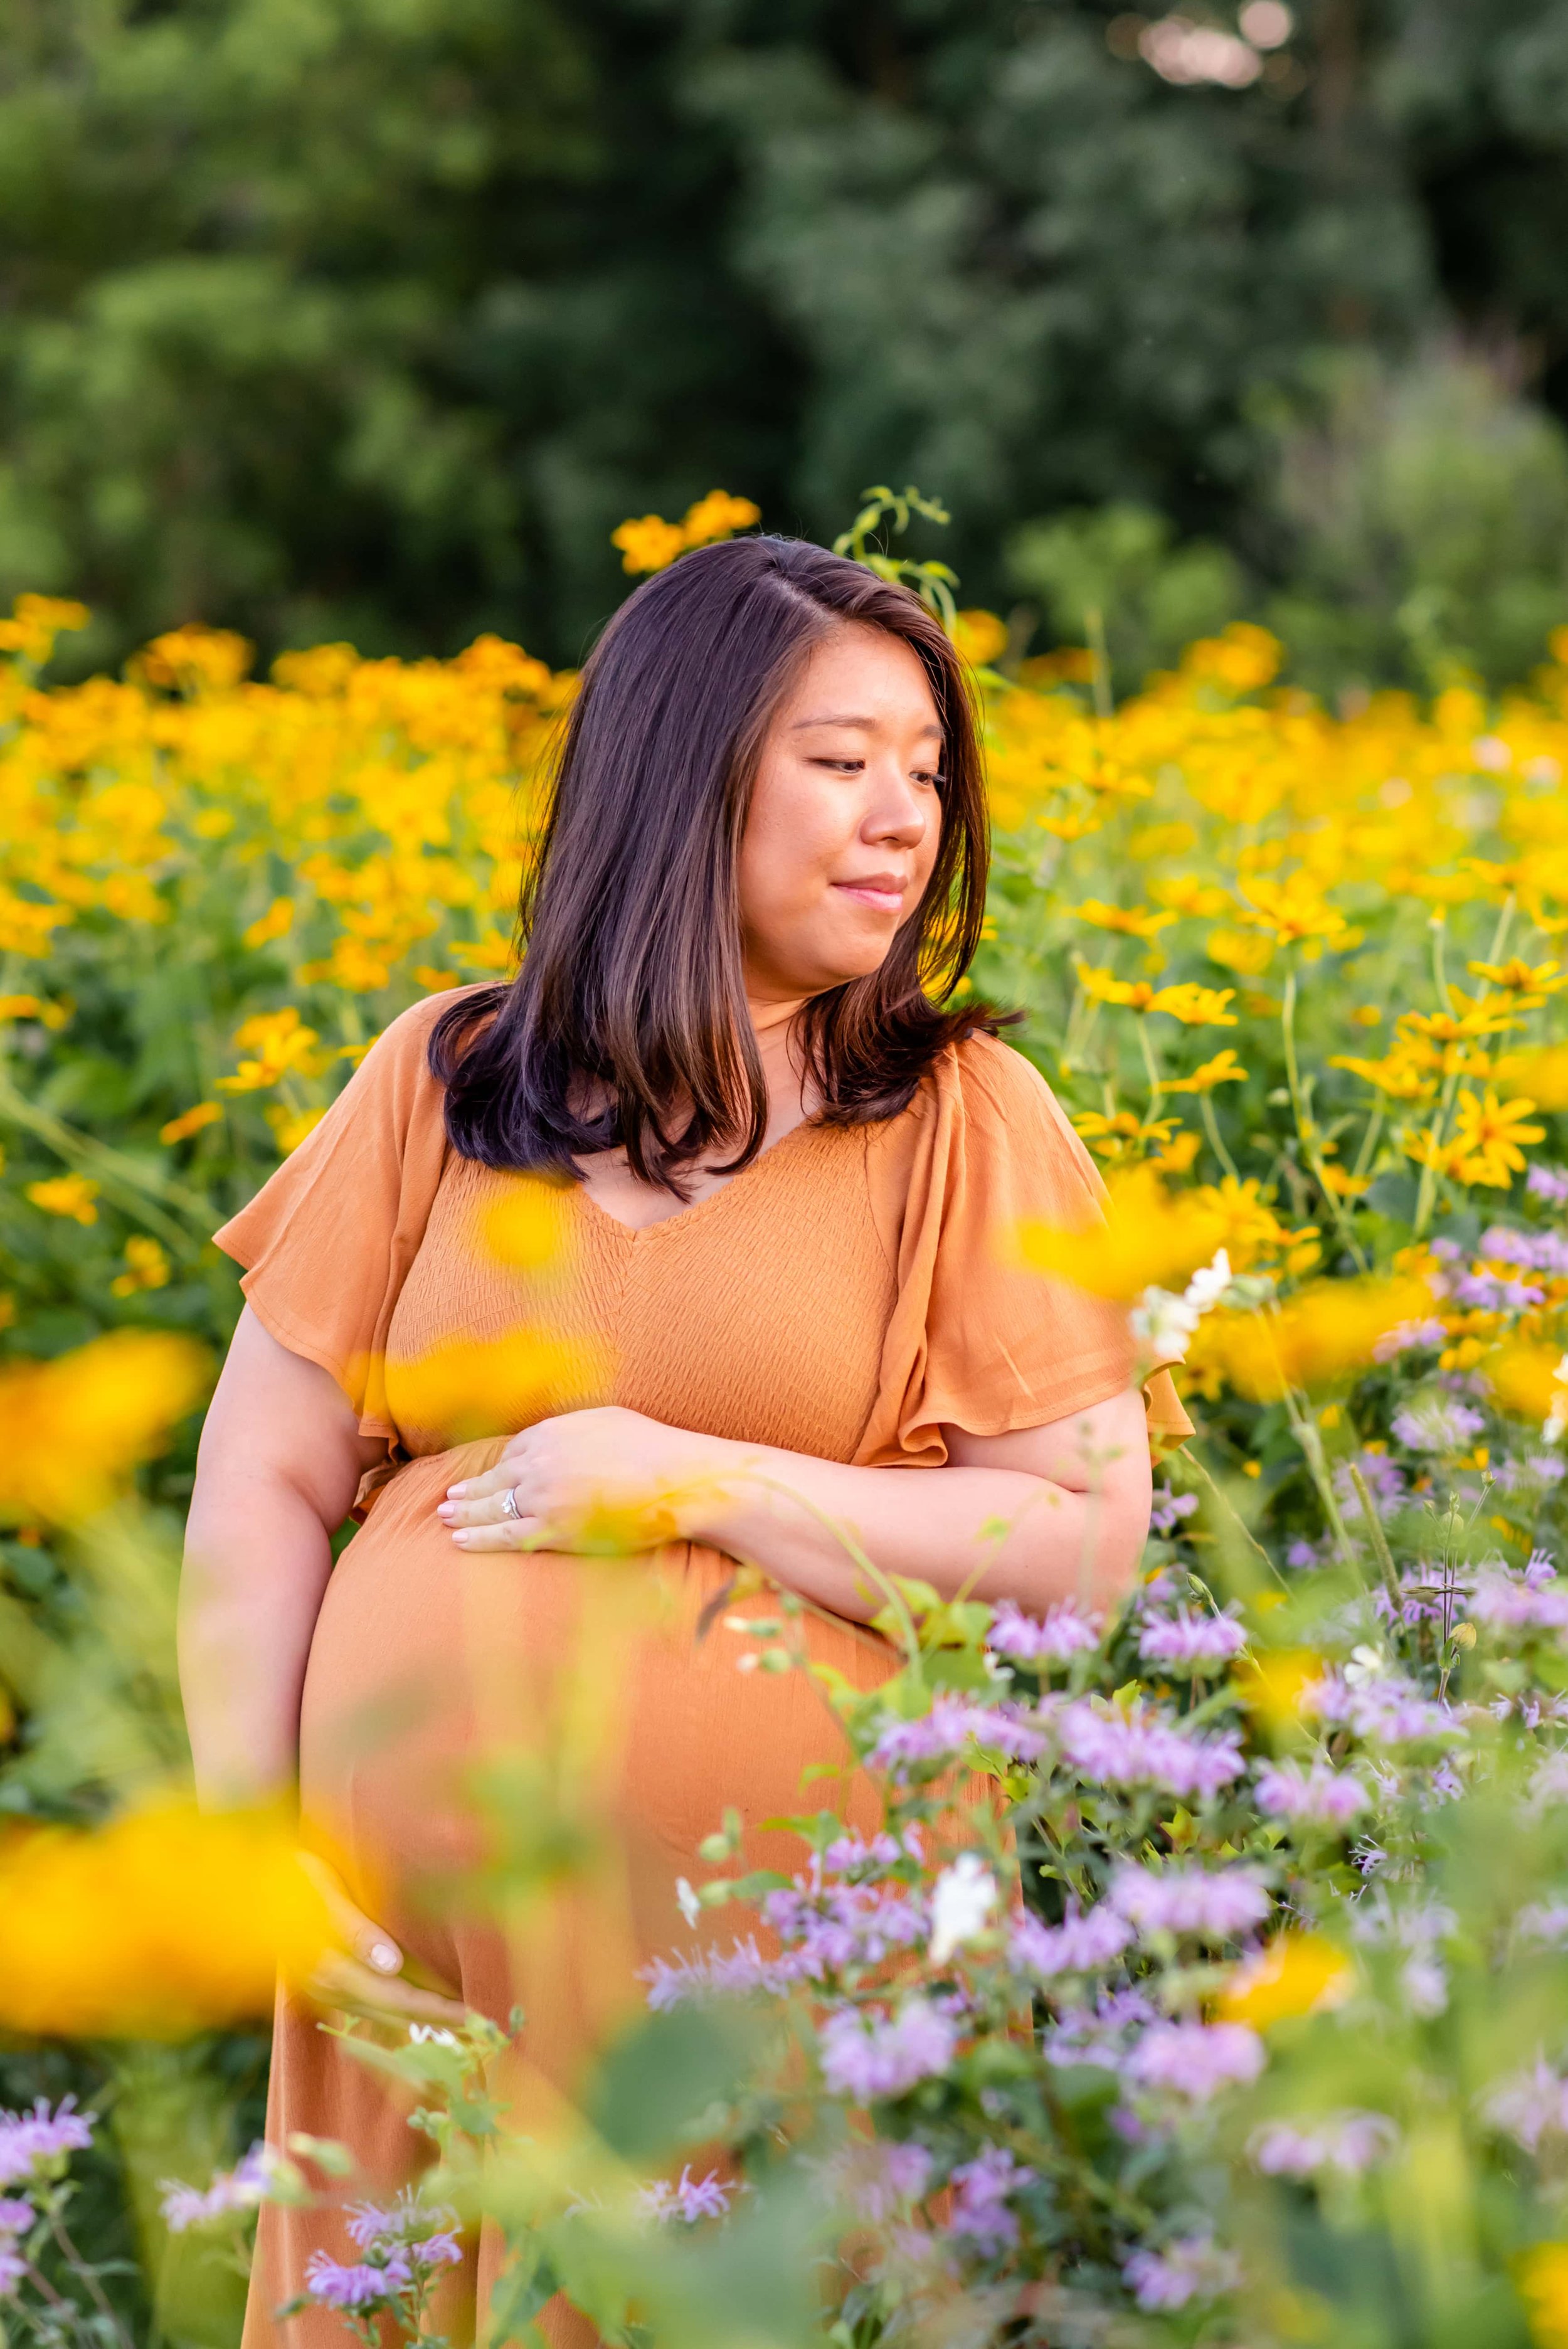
{"x":848,"y":1296}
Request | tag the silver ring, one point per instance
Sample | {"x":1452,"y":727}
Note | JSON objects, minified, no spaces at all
{"x":508,"y":1507}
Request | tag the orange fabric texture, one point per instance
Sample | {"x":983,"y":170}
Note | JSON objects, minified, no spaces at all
{"x":849,"y":1295}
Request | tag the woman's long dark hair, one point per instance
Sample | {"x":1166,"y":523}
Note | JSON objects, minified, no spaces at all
{"x":631,"y":991}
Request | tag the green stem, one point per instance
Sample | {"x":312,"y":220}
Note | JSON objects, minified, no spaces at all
{"x":1235,"y":1516}
{"x":1094,"y":629}
{"x":1152,"y":1067}
{"x":1211,"y":1128}
{"x":1369,"y":1139}
{"x":1305,"y":1130}
{"x":124,"y":1178}
{"x":1379,"y":1540}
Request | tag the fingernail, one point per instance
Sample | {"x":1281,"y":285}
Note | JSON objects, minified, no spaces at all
{"x":456,"y":1492}
{"x":460,"y":1536}
{"x":444,"y":1508}
{"x":384,"y":1958}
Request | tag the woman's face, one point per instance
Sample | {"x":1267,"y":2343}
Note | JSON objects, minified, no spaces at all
{"x":845,"y":817}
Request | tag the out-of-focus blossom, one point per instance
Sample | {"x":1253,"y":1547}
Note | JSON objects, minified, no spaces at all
{"x":1298,"y":1973}
{"x":688,"y":2199}
{"x":1170,"y":1508}
{"x":1408,"y":1337}
{"x":1320,"y":1796}
{"x":1196,"y":2059}
{"x":330,"y":2285}
{"x":1192,"y":1641}
{"x":867,"y":2056}
{"x":1192,"y":2268}
{"x":943,"y":1733}
{"x":981,"y":2192}
{"x":1062,"y":1632}
{"x":1549,"y":1182}
{"x":241,"y":2189}
{"x":1078,"y":1945}
{"x":1207,"y":1904}
{"x":37,"y":2144}
{"x":1437,"y":1422}
{"x":1532,"y":2105}
{"x":1347,"y":2141}
{"x":1383,"y":1707}
{"x":882,"y":2178}
{"x":1143,"y":1747}
{"x":962,"y":1900}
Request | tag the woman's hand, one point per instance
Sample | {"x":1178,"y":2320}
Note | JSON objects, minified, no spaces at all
{"x":363,"y":1975}
{"x":606,"y":1480}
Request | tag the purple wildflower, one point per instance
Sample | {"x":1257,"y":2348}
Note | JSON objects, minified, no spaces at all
{"x":850,"y":1855}
{"x":376,"y":2227}
{"x":1193,"y":1640}
{"x":333,"y":2285}
{"x":16,"y":2216}
{"x":865,"y":2057}
{"x":1142,"y":1747}
{"x":1537,"y":1251}
{"x":1348,"y":2141}
{"x":1078,"y":1945}
{"x":1303,"y":1555}
{"x":1208,"y":1904}
{"x":1437,"y":1422}
{"x":688,"y":2199}
{"x":1169,"y":1508}
{"x":717,"y":1973}
{"x":980,"y":2208}
{"x":243,"y":2187}
{"x":28,"y":2140}
{"x":1530,"y":2105}
{"x":828,"y":1928}
{"x":881,"y":2178}
{"x":1323,"y":1797}
{"x":1192,"y":2268}
{"x":1549,"y":1182}
{"x":1383,"y":1706}
{"x":12,"y":2268}
{"x":1056,"y":1637}
{"x":1383,"y":1477}
{"x":1405,"y":1336}
{"x":1196,"y":2058}
{"x":1530,"y":1601}
{"x":940,"y":1736}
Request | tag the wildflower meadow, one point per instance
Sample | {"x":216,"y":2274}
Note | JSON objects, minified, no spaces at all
{"x":1206,"y":1980}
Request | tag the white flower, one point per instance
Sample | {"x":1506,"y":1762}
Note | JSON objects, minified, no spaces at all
{"x":1164,"y":1323}
{"x":428,"y":2034}
{"x":686,"y":1901}
{"x":1557,"y":1418}
{"x":961,"y":1899}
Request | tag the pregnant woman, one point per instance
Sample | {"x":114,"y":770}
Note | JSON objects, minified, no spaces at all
{"x":787,"y":1166}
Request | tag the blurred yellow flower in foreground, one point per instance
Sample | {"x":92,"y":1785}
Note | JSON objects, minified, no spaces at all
{"x":75,"y":1424}
{"x":528,"y":1226}
{"x":472,"y":1388}
{"x":1298,"y":1973}
{"x":1148,"y":1239}
{"x":163,"y":1923}
{"x":1316,"y":1336}
{"x":1543,"y":2288}
{"x":1531,"y":1381}
{"x":1273,"y":1684}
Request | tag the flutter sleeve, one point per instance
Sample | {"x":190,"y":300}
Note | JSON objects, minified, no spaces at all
{"x":977,"y":1341}
{"x":328,"y":1242}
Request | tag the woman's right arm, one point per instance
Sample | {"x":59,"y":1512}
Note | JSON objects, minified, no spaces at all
{"x":280,"y":1461}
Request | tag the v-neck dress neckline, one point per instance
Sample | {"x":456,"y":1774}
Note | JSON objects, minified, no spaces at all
{"x":694,"y":1209}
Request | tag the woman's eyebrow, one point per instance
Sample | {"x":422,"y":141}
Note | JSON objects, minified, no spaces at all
{"x":867,"y":724}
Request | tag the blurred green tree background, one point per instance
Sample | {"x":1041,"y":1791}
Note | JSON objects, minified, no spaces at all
{"x":371,"y":318}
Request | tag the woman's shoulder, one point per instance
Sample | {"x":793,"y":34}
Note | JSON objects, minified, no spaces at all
{"x":986,"y":1082}
{"x":399,"y":1059}
{"x":983,"y":1106}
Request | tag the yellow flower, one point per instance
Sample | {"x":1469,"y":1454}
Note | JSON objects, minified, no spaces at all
{"x":1240,"y":661}
{"x":146,"y":1266}
{"x":279,"y":1042}
{"x":1483,"y":1148}
{"x":1340,"y":1184}
{"x":1293,"y":910}
{"x":1273,"y":1682}
{"x":1131,"y":921}
{"x":290,"y":1126}
{"x":470,"y":1388}
{"x":1189,"y":893}
{"x":1528,"y":984}
{"x":71,"y":1195}
{"x":76,"y":1425}
{"x":980,"y":637}
{"x":1246,"y":952}
{"x":719,"y":515}
{"x":1531,"y":1381}
{"x":528,"y":1226}
{"x":1224,"y":1069}
{"x":651,"y":544}
{"x":1298,"y":1973}
{"x":1194,"y":1006}
{"x":1543,"y":2287}
{"x":1150,"y":1238}
{"x":166,"y":1922}
{"x":1542,"y":1074}
{"x":1316,"y":1336}
{"x":190,"y":1122}
{"x":1399,"y":1075}
{"x":275,"y":923}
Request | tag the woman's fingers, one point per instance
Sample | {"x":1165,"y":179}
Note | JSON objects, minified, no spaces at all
{"x":511,"y":1533}
{"x":372,"y":1944}
{"x":494,"y":1480}
{"x":487,"y":1508}
{"x":348,"y":1987}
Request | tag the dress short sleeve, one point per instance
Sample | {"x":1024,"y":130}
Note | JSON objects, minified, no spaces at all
{"x":977,"y":1340}
{"x":328,"y":1242}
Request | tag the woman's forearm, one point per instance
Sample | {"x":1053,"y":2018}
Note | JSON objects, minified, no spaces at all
{"x":997,"y":1532}
{"x":257,"y":1559}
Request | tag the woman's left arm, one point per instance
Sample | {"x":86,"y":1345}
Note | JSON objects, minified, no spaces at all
{"x":1041,"y":1514}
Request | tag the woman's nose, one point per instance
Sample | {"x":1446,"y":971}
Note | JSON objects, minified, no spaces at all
{"x":899,"y":812}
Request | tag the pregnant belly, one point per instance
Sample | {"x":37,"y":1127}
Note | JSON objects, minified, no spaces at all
{"x":563,"y":1725}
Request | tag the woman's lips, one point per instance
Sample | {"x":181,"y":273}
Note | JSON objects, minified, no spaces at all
{"x":884,"y":897}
